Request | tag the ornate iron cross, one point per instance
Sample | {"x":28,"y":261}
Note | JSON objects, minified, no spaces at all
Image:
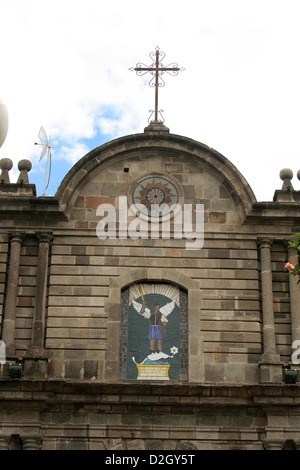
{"x":156,"y":69}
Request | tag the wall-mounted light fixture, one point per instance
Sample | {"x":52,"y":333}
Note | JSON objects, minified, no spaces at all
{"x":15,"y":371}
{"x":290,"y":376}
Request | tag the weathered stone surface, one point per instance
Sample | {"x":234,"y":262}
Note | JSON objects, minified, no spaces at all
{"x":60,"y":307}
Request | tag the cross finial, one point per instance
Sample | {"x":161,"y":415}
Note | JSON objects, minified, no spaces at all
{"x":156,"y":69}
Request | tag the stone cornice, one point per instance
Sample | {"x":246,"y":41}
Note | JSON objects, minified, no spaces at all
{"x":20,"y":207}
{"x":60,"y":391}
{"x":273,"y":212}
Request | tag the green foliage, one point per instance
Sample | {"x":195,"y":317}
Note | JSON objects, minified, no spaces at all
{"x":295,"y":245}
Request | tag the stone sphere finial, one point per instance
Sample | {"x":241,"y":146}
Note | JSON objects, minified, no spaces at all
{"x":24,"y":167}
{"x":298,"y":174}
{"x":286,"y":175}
{"x":6,"y":165}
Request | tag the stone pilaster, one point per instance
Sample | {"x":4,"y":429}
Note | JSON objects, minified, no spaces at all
{"x":11,"y":295}
{"x":270,"y":366}
{"x":36,"y":357}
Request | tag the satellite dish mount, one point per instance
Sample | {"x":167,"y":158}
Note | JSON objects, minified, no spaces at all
{"x":46,"y":144}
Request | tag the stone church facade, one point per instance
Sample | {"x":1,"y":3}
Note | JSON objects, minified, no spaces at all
{"x":80,"y":278}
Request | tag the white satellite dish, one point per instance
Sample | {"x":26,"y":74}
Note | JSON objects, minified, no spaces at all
{"x":46,"y":144}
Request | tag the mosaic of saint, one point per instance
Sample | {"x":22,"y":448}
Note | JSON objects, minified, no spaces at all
{"x":154,"y":333}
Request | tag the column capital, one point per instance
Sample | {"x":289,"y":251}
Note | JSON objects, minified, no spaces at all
{"x":264,"y":242}
{"x":17,"y":236}
{"x":287,"y":241}
{"x":44,"y":237}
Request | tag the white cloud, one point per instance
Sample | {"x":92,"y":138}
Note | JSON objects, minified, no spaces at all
{"x":73,"y":153}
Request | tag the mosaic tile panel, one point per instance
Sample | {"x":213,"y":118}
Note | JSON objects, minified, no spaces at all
{"x":153,"y":333}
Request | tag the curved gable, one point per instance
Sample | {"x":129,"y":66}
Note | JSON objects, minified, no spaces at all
{"x":108,"y":171}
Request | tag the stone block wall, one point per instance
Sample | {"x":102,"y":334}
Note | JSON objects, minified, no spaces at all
{"x":60,"y":294}
{"x":77,"y":316}
{"x":227,"y":306}
{"x":60,"y":415}
{"x":77,"y":321}
{"x":26,"y":294}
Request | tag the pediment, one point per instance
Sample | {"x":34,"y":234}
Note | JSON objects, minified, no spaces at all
{"x":199,"y":173}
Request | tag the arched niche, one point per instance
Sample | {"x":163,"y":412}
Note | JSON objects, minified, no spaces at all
{"x":189,"y":293}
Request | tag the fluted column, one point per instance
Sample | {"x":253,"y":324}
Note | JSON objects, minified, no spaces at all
{"x":11,"y":294}
{"x":294,"y":293}
{"x":269,"y":356}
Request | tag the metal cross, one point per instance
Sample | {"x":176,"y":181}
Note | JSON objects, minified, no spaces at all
{"x":156,"y":69}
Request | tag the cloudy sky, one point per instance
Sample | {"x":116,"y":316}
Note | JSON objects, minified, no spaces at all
{"x":64,"y":65}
